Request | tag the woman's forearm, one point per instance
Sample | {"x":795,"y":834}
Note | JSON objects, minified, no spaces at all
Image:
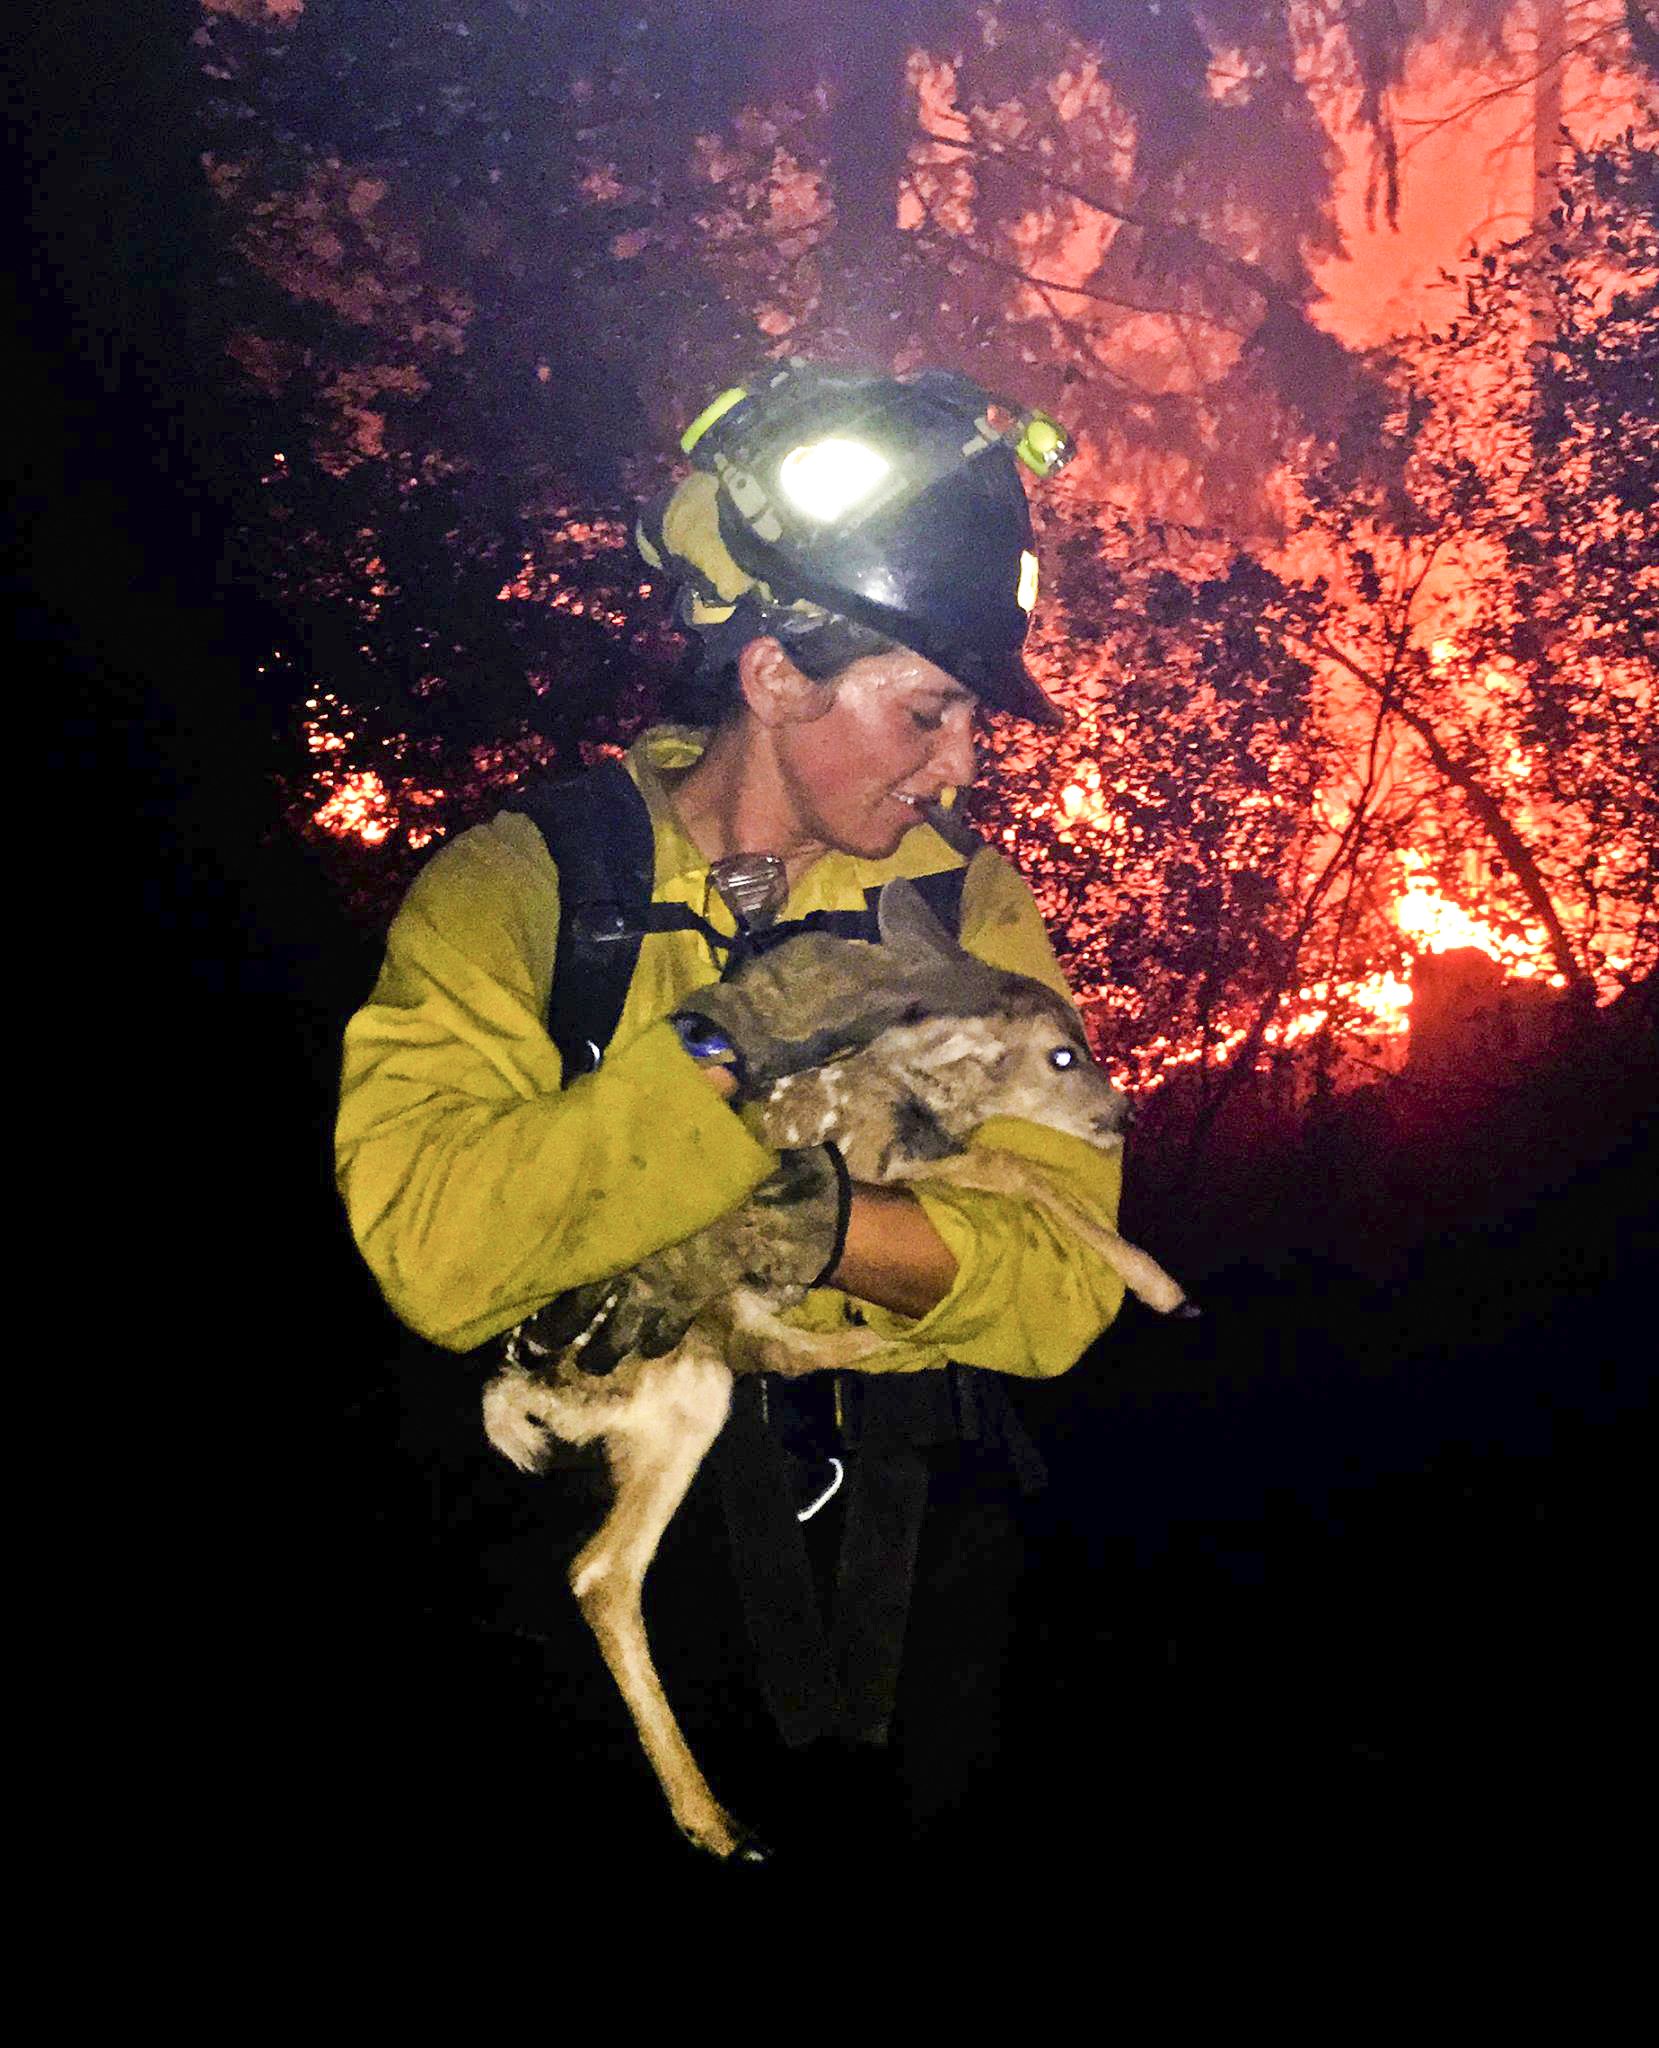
{"x":893,"y":1256}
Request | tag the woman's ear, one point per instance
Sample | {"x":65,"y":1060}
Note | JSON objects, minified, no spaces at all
{"x":775,"y":690}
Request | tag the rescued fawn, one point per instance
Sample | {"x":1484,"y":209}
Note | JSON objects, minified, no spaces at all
{"x":976,"y":1043}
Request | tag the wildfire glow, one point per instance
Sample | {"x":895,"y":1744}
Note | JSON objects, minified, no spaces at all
{"x":1373,"y":1008}
{"x":1376,"y":1006}
{"x":1435,"y":924}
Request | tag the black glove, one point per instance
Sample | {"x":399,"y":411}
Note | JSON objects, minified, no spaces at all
{"x":787,"y":1237}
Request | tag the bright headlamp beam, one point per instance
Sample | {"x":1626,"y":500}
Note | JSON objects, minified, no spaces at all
{"x":826,"y":479}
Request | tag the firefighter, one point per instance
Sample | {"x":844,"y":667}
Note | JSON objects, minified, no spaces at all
{"x":852,"y":558}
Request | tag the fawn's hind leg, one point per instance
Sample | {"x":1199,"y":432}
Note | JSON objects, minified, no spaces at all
{"x":654,"y":1451}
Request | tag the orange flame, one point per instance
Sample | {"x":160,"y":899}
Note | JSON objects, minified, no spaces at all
{"x":358,"y":807}
{"x":1435,"y":924}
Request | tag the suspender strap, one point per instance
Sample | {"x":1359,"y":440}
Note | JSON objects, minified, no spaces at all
{"x":598,"y":834}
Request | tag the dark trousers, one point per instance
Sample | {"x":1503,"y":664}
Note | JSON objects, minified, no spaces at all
{"x":970,"y":1555}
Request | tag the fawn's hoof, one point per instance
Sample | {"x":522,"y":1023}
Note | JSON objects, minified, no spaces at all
{"x":746,"y":1847}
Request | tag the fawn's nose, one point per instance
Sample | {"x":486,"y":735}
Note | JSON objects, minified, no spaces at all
{"x":1113,"y":1122}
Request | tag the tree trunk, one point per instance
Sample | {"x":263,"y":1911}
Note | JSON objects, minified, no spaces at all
{"x":862,"y":65}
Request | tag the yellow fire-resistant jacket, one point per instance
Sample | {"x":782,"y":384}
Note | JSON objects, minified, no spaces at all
{"x":478,"y":1188}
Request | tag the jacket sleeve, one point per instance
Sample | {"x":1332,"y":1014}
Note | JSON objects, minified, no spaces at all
{"x":477,"y":1187}
{"x":1027,"y":1298}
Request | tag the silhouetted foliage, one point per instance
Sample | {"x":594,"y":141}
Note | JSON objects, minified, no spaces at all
{"x":491,"y":259}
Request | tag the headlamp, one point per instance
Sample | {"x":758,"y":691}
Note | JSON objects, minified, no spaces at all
{"x":1043,"y":446}
{"x":826,"y":479}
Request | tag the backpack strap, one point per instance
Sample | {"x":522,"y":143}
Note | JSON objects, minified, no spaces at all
{"x":597,"y":830}
{"x":598,"y":834}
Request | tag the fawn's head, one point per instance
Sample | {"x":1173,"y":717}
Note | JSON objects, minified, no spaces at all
{"x":979,"y":1042}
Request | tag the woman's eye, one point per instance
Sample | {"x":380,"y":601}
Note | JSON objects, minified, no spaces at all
{"x":1062,"y":1056}
{"x":925,"y":723}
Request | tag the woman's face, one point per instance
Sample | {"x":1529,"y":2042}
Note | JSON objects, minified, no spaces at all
{"x":896,"y":731}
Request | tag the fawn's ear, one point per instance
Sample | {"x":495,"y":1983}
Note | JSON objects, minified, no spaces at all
{"x":911,"y":929}
{"x":948,"y":979}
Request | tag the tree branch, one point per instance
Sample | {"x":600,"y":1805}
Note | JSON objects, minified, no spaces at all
{"x":1522,"y":861}
{"x":961,"y":244}
{"x":1432,"y":125}
{"x":945,"y":241}
{"x":1179,"y":232}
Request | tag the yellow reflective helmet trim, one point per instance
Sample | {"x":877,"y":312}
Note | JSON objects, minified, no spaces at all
{"x":1027,"y":592}
{"x":714,"y":410}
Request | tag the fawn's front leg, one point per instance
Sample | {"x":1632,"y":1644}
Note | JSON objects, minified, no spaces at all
{"x":1005,"y":1173}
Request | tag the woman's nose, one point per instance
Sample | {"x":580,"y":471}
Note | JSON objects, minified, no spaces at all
{"x":957,"y":759}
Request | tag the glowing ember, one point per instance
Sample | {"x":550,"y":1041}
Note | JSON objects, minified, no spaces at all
{"x":358,"y":808}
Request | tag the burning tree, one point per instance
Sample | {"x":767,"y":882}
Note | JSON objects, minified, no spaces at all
{"x":1430,"y":723}
{"x":1429,"y":714}
{"x":1492,"y":615}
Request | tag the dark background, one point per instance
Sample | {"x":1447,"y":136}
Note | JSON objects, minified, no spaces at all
{"x":1359,"y":1562}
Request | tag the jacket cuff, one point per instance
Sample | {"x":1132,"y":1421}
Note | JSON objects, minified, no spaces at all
{"x":843,"y":1212}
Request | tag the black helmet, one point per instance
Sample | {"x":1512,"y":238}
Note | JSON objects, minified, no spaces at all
{"x":893,"y":502}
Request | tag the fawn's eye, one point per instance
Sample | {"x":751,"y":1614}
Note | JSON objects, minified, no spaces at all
{"x":1062,"y":1056}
